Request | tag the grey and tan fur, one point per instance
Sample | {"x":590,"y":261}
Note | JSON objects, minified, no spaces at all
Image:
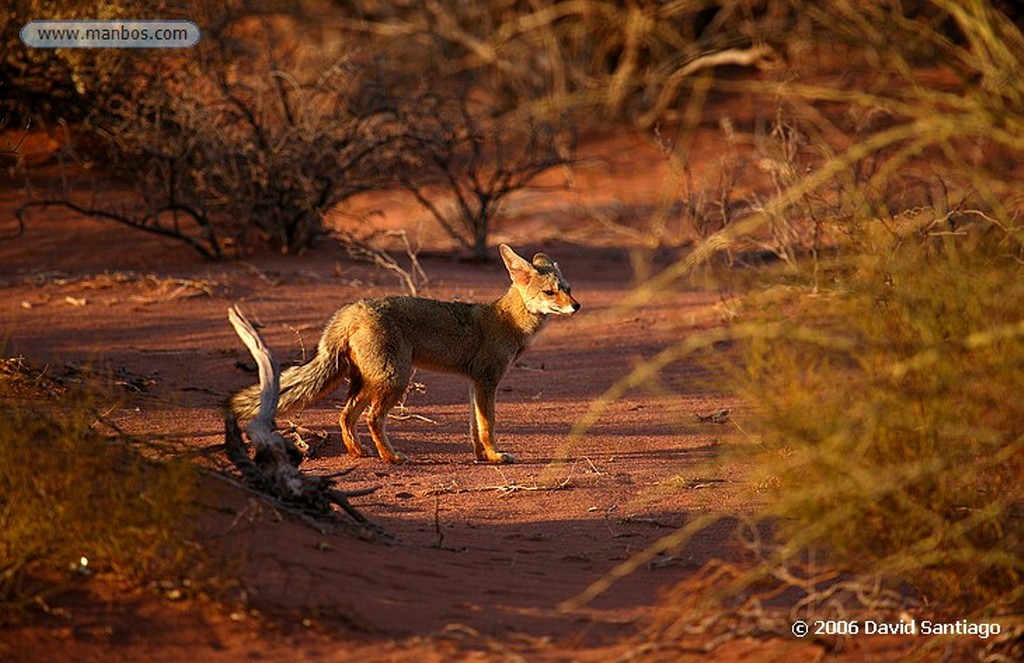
{"x":375,"y":343}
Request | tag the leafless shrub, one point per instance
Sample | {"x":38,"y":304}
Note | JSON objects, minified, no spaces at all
{"x":477,"y":161}
{"x":252,"y":146}
{"x":300,"y":148}
{"x":704,"y":208}
{"x":164,"y":220}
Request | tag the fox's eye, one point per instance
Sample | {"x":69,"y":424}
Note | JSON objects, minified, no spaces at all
{"x":550,"y":293}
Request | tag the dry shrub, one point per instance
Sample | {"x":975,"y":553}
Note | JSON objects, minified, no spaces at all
{"x":263,"y":128}
{"x":251,"y":137}
{"x":272,"y":119}
{"x":884,"y":372}
{"x":75,"y":502}
{"x":256,"y":141}
{"x":900,"y":450}
{"x":622,"y":60}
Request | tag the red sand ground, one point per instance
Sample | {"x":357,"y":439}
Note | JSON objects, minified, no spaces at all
{"x":482,"y":555}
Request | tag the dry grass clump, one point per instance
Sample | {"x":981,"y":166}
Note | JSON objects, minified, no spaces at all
{"x":895,"y":439}
{"x":74,"y":502}
{"x":888,"y":443}
{"x":624,"y":61}
{"x":900,"y":448}
{"x":882,"y":356}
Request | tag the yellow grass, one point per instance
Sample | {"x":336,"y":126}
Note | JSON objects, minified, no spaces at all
{"x":74,"y":502}
{"x":883,"y":359}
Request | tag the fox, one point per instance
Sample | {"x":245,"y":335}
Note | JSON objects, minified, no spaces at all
{"x":376,"y":343}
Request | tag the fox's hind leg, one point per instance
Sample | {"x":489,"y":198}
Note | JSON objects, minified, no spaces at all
{"x":385,"y":366}
{"x":355,"y":404}
{"x":385,"y":396}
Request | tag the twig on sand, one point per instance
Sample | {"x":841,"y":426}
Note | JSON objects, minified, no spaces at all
{"x":506,"y":487}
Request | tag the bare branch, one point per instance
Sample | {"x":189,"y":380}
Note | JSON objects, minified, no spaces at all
{"x":208,"y":247}
{"x":364,"y":250}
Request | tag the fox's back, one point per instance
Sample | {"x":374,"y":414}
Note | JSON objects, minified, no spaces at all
{"x":443,"y":336}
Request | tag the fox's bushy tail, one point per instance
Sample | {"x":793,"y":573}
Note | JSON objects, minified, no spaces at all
{"x":300,"y":385}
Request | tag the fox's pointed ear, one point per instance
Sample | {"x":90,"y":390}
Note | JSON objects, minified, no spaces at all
{"x":516,"y":265}
{"x":543,"y":260}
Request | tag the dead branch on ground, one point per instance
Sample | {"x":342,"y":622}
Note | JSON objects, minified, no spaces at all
{"x":274,"y":466}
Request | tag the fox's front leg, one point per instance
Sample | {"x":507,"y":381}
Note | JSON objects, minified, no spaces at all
{"x":481,"y":424}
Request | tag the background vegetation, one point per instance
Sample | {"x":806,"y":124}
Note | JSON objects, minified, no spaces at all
{"x":287,"y":108}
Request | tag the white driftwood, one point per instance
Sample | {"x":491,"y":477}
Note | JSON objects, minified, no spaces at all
{"x":274,"y":467}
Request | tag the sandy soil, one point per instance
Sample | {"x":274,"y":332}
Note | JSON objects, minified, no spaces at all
{"x":481,"y":556}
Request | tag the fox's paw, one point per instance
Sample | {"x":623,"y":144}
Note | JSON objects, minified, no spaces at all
{"x":397,"y":458}
{"x":495,"y":457}
{"x":359,"y":451}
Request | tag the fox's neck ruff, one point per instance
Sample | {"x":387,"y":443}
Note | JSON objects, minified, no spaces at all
{"x":511,"y":309}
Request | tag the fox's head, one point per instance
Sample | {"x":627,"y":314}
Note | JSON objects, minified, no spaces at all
{"x":540,"y":283}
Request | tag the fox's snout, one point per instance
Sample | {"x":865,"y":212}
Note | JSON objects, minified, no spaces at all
{"x":564,"y":304}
